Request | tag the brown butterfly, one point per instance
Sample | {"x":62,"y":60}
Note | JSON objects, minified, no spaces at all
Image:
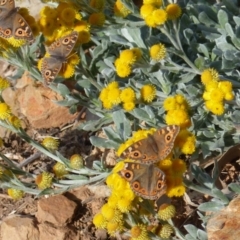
{"x":155,"y":147}
{"x":59,"y":52}
{"x":12,"y":24}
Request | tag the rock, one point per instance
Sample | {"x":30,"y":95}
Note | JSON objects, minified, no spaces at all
{"x":225,"y":225}
{"x":61,"y":233}
{"x":36,"y":103}
{"x":19,"y":228}
{"x":57,"y":210}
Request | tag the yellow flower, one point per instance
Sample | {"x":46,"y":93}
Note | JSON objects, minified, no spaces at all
{"x":148,"y":93}
{"x":124,"y":205}
{"x":128,"y":57}
{"x":114,"y":96}
{"x":165,"y":164}
{"x":225,"y":86}
{"x":107,"y":104}
{"x":98,"y":4}
{"x":76,"y":161}
{"x":166,"y":211}
{"x":16,"y":42}
{"x":15,"y":194}
{"x":179,"y":117}
{"x":158,"y":52}
{"x":113,"y":227}
{"x":149,"y":20}
{"x":209,"y":74}
{"x":84,"y":37}
{"x":120,"y":10}
{"x":44,"y":180}
{"x":176,"y":191}
{"x":146,"y":10}
{"x":137,"y":52}
{"x":81,"y":26}
{"x":170,"y":103}
{"x":5,"y":111}
{"x":73,"y":59}
{"x":15,"y":121}
{"x":173,"y":11}
{"x":123,"y":70}
{"x":59,"y":170}
{"x":108,"y":212}
{"x":68,"y":15}
{"x":67,"y":71}
{"x":157,"y":3}
{"x":139,"y":232}
{"x":229,"y":96}
{"x":128,"y":106}
{"x":99,"y":221}
{"x":47,"y":25}
{"x":178,"y":165}
{"x":50,"y":143}
{"x":186,"y":141}
{"x":97,"y":19}
{"x":48,"y":12}
{"x":160,"y":16}
{"x":216,"y":108}
{"x":217,"y":95}
{"x":128,"y":95}
{"x":210,"y":85}
{"x":3,"y":84}
{"x":165,"y":231}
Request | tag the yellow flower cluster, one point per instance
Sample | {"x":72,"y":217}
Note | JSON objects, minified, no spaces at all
{"x":56,"y":22}
{"x":173,"y":169}
{"x":154,"y":15}
{"x":215,"y":91}
{"x":177,"y":109}
{"x":148,"y":93}
{"x":112,"y":95}
{"x":120,"y":201}
{"x":126,"y":60}
{"x":76,"y":161}
{"x":97,"y":18}
{"x":120,"y":10}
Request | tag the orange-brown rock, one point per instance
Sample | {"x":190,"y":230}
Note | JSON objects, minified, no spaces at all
{"x":57,"y":210}
{"x":60,"y":233}
{"x":36,"y":103}
{"x":225,"y":225}
{"x":19,"y":228}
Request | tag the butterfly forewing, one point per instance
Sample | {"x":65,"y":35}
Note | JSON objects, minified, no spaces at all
{"x":153,"y":148}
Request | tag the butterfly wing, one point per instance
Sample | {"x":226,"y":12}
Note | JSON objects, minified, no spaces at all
{"x":61,"y":48}
{"x":146,"y":181}
{"x":50,"y":68}
{"x":6,"y":8}
{"x":153,"y":148}
{"x":164,"y":138}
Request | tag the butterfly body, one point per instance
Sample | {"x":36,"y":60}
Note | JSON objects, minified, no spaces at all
{"x":59,"y":52}
{"x":147,"y":181}
{"x":155,"y":147}
{"x":12,"y":24}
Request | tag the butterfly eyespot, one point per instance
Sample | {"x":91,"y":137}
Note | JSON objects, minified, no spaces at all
{"x":47,"y":73}
{"x":136,"y":185}
{"x":128,"y":175}
{"x":8,"y":32}
{"x":135,"y":154}
{"x":168,"y":137}
{"x":159,"y":184}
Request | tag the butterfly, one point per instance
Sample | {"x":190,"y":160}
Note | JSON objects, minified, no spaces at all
{"x":155,"y":147}
{"x":59,"y":52}
{"x":12,"y":24}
